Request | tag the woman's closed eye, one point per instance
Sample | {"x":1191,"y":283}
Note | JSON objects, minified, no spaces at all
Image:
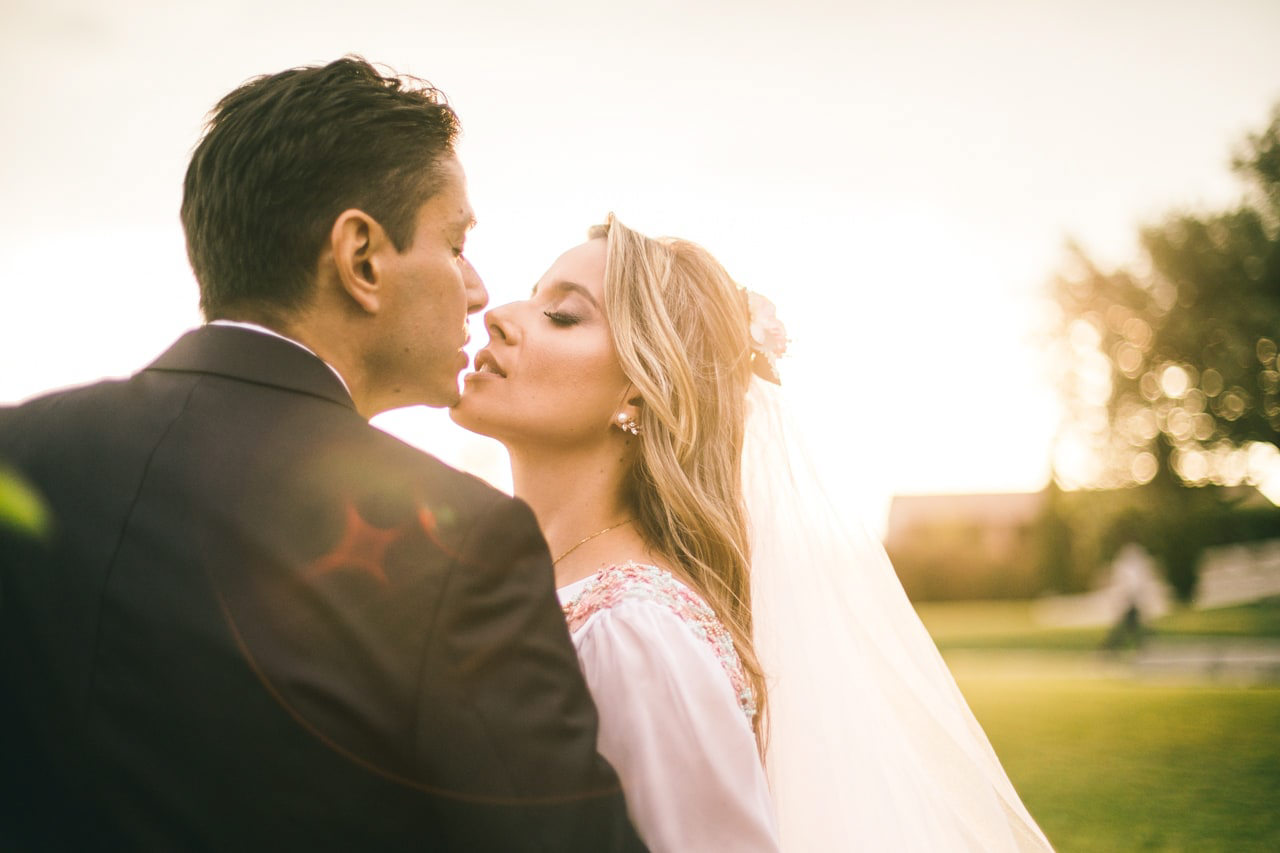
{"x":562,"y":318}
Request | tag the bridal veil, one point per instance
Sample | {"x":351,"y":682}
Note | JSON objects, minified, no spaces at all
{"x":871,"y":746}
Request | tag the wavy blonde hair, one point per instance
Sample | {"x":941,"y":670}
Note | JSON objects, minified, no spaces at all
{"x":682,"y":333}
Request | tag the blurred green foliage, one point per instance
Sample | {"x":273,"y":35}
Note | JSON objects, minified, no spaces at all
{"x":1080,"y":531}
{"x":1179,"y":353}
{"x":21,"y":507}
{"x":1068,"y":539}
{"x":1170,"y":378}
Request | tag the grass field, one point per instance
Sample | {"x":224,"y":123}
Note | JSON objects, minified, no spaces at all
{"x":1110,"y":762}
{"x":1009,"y":625}
{"x":1112,"y":765}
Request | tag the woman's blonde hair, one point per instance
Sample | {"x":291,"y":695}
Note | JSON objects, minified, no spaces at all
{"x":681,"y":330}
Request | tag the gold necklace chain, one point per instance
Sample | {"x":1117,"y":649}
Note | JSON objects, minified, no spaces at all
{"x":588,"y":539}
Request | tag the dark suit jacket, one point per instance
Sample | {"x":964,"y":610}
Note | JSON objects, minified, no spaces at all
{"x":260,"y":623}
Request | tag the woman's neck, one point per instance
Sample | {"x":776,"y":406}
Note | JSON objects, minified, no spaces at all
{"x":575,"y":494}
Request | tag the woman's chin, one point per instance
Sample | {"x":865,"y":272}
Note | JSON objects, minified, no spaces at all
{"x":468,"y":415}
{"x":460,"y":413}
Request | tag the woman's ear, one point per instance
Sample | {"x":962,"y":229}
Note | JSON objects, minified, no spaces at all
{"x":358,"y":244}
{"x":627,"y":417}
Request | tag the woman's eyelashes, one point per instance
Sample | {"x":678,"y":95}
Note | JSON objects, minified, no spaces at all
{"x":562,"y":318}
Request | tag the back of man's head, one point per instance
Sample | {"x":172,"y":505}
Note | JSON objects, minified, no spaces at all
{"x":283,"y":155}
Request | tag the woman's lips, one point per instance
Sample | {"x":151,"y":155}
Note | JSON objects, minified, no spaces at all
{"x":486,"y":364}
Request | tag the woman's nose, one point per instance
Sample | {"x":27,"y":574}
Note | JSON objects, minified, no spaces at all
{"x":498,"y":322}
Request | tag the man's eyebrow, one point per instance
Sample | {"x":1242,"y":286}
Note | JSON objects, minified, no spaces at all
{"x":571,"y":286}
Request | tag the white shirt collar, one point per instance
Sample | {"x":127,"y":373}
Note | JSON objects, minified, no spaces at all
{"x":254,"y":327}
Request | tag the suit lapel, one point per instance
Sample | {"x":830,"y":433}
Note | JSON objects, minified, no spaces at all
{"x":253,"y":357}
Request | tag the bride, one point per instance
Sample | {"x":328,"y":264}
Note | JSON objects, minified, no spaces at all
{"x":762,"y":681}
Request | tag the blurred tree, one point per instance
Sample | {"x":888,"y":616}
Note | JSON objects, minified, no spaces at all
{"x":1180,"y":353}
{"x":1053,"y":542}
{"x":1171,"y":375}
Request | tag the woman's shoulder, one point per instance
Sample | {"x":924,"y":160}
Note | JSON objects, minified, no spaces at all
{"x":641,"y":588}
{"x":634,"y":582}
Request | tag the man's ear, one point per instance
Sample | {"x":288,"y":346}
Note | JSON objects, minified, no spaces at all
{"x":359,"y":245}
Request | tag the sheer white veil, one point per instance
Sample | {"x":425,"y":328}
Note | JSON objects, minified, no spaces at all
{"x":871,"y":746}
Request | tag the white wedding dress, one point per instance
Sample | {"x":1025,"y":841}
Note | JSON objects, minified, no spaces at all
{"x":675,"y":711}
{"x":870,"y":744}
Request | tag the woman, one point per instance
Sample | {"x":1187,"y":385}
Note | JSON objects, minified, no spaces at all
{"x":621,"y":389}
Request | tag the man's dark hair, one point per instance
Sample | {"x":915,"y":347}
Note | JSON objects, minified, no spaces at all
{"x":283,"y":155}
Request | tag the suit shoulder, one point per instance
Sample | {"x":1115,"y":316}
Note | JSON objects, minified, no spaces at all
{"x":440,"y":478}
{"x":90,"y":414}
{"x":73,"y":395}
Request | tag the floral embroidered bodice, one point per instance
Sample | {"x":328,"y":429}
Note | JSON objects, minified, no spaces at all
{"x":632,"y":581}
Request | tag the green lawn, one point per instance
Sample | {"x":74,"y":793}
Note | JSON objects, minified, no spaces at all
{"x":1259,"y":619}
{"x":1009,"y":625}
{"x":999,"y":625}
{"x":1109,"y":764}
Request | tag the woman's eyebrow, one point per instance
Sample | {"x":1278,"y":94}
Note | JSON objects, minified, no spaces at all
{"x":573,"y":287}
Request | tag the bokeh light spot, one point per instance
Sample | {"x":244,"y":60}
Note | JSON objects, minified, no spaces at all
{"x":1211,"y":382}
{"x":1174,"y":381}
{"x":1143,"y":468}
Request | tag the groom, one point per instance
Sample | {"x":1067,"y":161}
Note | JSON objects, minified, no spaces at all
{"x":259,"y":623}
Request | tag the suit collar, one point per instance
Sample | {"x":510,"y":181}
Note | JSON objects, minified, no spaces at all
{"x":251,"y":356}
{"x":265,"y":331}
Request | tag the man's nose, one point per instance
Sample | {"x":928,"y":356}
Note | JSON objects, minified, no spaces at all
{"x":477,"y":296}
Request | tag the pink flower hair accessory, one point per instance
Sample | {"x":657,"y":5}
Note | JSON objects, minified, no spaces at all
{"x":768,"y":337}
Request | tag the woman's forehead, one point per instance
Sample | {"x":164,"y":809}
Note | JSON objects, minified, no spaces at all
{"x":582,"y":265}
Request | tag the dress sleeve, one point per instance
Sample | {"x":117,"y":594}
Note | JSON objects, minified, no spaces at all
{"x":671,"y":726}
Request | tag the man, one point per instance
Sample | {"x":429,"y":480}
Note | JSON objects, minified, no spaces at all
{"x":257,"y":621}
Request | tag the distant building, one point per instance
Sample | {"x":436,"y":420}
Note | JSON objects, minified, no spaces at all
{"x":965,"y":546}
{"x":1003,"y":518}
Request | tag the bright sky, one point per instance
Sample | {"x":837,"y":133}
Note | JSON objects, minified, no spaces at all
{"x":899,"y":178}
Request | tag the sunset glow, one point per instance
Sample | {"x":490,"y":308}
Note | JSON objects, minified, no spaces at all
{"x":900,"y":184}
